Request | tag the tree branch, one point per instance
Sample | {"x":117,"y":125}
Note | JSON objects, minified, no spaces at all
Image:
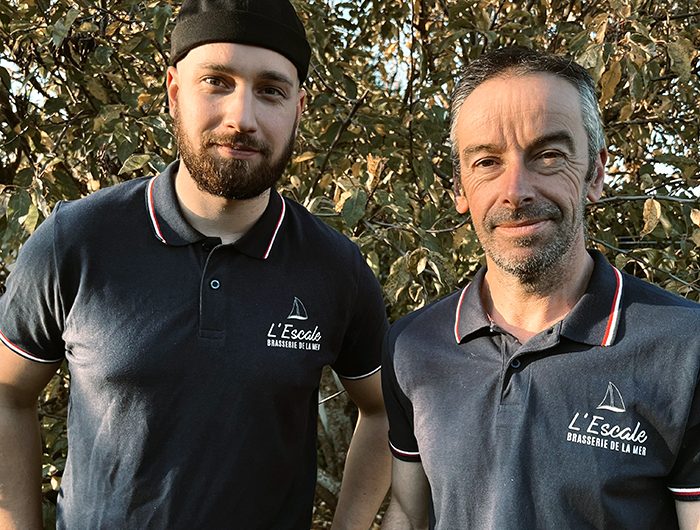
{"x":341,"y":130}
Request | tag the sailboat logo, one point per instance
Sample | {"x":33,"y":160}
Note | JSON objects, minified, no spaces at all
{"x":298,"y":311}
{"x":612,"y":400}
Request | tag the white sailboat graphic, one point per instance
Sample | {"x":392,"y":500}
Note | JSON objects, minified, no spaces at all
{"x":612,"y":400}
{"x":298,"y":311}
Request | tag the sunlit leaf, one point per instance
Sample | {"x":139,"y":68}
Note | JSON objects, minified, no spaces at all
{"x":652,"y":215}
{"x":134,"y":162}
{"x":609,"y":82}
{"x":695,"y":216}
{"x":681,"y":53}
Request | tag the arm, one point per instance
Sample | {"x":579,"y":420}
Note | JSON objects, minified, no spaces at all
{"x":410,"y":497}
{"x":21,"y":381}
{"x":367,"y":467}
{"x":688,"y":515}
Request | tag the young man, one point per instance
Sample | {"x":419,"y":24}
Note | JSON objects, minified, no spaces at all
{"x":195,"y":311}
{"x":553,"y":391}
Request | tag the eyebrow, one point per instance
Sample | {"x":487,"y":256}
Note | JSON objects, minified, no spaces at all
{"x":266,"y":75}
{"x":555,"y":137}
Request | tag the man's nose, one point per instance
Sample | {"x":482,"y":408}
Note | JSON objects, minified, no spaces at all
{"x":240,"y":111}
{"x":517,"y":183}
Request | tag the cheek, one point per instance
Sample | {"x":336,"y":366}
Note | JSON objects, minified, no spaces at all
{"x":567,"y":185}
{"x":277,"y":125}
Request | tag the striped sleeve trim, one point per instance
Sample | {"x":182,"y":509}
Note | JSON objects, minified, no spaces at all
{"x":408,"y":456}
{"x":353,"y":377}
{"x":686,"y":494}
{"x":23,"y":353}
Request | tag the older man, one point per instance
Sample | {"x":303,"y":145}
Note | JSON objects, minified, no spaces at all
{"x":554,"y":391}
{"x":195,"y":311}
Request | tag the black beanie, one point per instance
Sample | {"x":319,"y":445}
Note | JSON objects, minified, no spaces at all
{"x":271,"y":24}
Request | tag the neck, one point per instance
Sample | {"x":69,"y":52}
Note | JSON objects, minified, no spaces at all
{"x":227,"y":219}
{"x":524,"y":310}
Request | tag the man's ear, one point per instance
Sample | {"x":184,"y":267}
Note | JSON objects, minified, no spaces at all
{"x":172,"y":86}
{"x":595,"y":186}
{"x":461,"y":202}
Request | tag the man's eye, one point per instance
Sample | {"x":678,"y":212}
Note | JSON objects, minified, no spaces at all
{"x":485,"y":163}
{"x":214,"y":81}
{"x":272,"y":91}
{"x":550,"y":156}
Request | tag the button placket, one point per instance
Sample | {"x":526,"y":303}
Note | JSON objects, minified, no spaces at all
{"x":213,"y":299}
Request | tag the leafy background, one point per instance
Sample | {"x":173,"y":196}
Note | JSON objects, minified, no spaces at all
{"x":82,"y":106}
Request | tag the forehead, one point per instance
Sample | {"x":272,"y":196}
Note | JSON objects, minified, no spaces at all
{"x":520,"y":105}
{"x":243,"y":59}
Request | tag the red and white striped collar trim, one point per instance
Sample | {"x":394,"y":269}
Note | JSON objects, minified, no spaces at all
{"x":255,"y":243}
{"x":612,"y":322}
{"x":614,"y":316}
{"x":152,"y":211}
{"x":458,"y":311}
{"x":277,"y":228}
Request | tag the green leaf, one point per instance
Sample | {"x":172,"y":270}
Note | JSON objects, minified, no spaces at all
{"x":161,"y":16}
{"x":103,"y":54}
{"x":18,"y":205}
{"x":354,"y":207}
{"x":62,"y":27}
{"x":134,"y":163}
{"x":30,"y":220}
{"x":681,"y":54}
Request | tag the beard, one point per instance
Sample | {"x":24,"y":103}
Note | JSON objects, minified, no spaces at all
{"x":546,"y":252}
{"x":231,"y":178}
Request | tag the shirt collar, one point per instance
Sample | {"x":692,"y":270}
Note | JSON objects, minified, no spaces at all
{"x":170,"y":227}
{"x":470,"y":315}
{"x":595,"y":317}
{"x":593,"y":320}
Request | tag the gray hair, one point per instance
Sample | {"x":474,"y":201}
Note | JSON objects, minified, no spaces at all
{"x":518,"y":61}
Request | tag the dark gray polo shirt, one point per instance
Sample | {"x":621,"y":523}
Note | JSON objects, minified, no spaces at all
{"x":594,"y":423}
{"x":194,"y":365}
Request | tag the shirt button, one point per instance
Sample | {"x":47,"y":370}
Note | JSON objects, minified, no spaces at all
{"x":515,"y":363}
{"x":215,"y":284}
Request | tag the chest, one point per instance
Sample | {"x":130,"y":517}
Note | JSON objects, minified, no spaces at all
{"x":583,"y":417}
{"x":189,"y":313}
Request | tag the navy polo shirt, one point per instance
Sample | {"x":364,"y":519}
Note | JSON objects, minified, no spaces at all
{"x":593,"y":423}
{"x":194,"y":365}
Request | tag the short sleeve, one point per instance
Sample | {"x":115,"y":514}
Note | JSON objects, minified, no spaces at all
{"x":31,"y":314}
{"x":402,"y":440}
{"x":360,"y":354}
{"x":684,"y":481}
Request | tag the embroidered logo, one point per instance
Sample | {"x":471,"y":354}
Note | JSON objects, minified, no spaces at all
{"x":614,"y":433}
{"x":298,"y":311}
{"x":613,"y":400}
{"x":295,"y":336}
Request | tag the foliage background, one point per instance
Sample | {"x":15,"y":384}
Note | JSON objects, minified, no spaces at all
{"x":82,"y":106}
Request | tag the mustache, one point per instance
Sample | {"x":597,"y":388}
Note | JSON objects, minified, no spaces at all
{"x":530,"y":212}
{"x":242,"y":139}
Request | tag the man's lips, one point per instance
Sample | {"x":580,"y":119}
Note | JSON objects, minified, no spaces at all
{"x":237,"y":150}
{"x":522,"y":226}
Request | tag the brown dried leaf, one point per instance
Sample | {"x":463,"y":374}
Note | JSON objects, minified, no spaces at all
{"x":609,"y":81}
{"x":652,"y":214}
{"x":695,"y":216}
